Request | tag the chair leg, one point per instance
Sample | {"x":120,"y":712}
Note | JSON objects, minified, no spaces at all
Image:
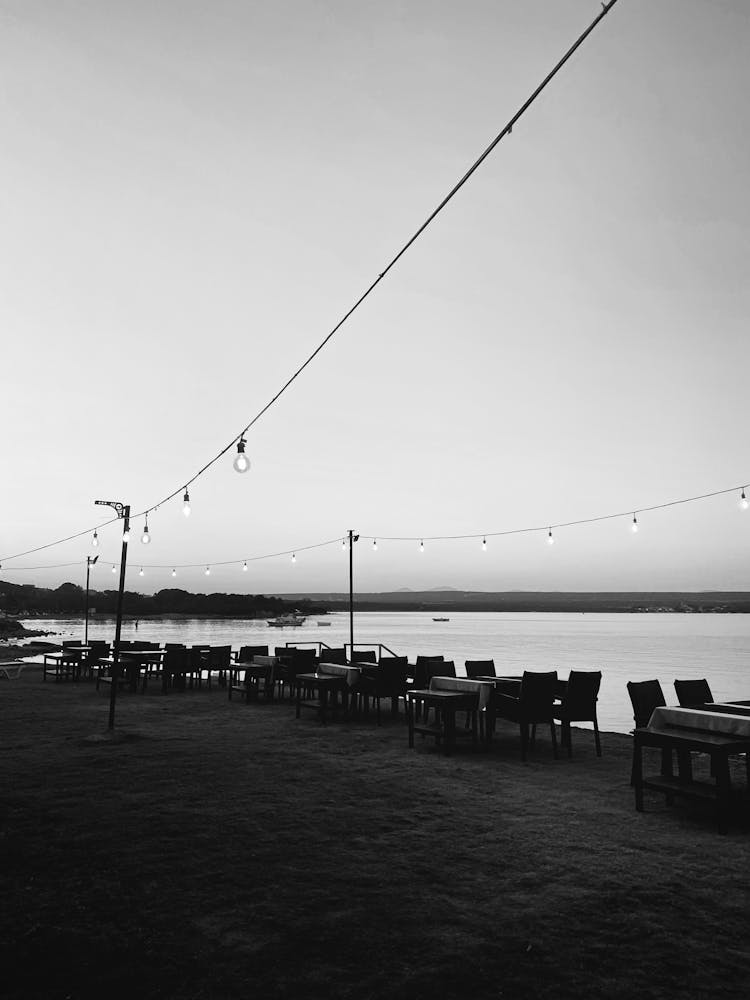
{"x":524,"y":739}
{"x":596,"y":739}
{"x":553,"y":734}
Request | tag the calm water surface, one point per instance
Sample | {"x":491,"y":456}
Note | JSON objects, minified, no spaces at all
{"x":624,"y":647}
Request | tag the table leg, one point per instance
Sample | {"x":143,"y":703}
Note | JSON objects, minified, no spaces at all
{"x":723,"y":790}
{"x":637,"y":773}
{"x":410,"y":719}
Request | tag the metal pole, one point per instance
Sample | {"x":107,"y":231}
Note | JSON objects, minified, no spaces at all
{"x":86,"y":626}
{"x":351,"y":593}
{"x":118,"y":626}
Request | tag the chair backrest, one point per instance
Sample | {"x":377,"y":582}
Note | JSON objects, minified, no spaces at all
{"x":283,"y":650}
{"x":538,"y":694}
{"x":439,"y":668}
{"x":337,"y":655}
{"x":364,"y":656}
{"x":392,"y":673}
{"x":173,"y":645}
{"x":248,"y":652}
{"x":421,"y":679}
{"x":695,"y":692}
{"x":480,"y":668}
{"x":176,"y":659}
{"x":581,"y":695}
{"x":645,"y":696}
{"x":219,"y":657}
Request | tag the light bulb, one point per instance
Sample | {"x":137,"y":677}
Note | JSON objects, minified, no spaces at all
{"x":343,"y":544}
{"x":294,"y":558}
{"x":743,"y":500}
{"x":186,"y":503}
{"x":241,"y":461}
{"x":140,"y":571}
{"x":374,"y":545}
{"x":126,"y":535}
{"x":145,"y":537}
{"x":95,"y":540}
{"x":244,"y":567}
{"x":208,"y":571}
{"x":634,"y":525}
{"x":484,"y":545}
{"x":421,"y":546}
{"x":114,"y":568}
{"x":550,"y":539}
{"x":174,"y":572}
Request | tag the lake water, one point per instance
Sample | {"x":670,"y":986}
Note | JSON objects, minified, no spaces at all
{"x":624,"y":647}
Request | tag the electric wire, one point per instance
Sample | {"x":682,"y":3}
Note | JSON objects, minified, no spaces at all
{"x":506,"y":130}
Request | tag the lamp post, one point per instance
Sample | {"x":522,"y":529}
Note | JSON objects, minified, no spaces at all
{"x":89,"y":563}
{"x":352,"y":539}
{"x":123,"y":512}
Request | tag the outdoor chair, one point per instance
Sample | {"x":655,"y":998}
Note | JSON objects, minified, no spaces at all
{"x":693,"y":692}
{"x":578,"y":704}
{"x":480,"y":668}
{"x":420,"y":670}
{"x":387,"y":680}
{"x":295,"y":662}
{"x":246,"y":653}
{"x":219,"y":662}
{"x":329,"y":655}
{"x":176,"y":667}
{"x":534,"y":705}
{"x":645,"y":696}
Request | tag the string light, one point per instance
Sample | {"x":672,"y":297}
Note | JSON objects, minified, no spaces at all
{"x":140,"y":571}
{"x":743,"y":500}
{"x":343,"y":544}
{"x":95,"y":540}
{"x":126,"y":535}
{"x":114,"y":568}
{"x":484,"y":545}
{"x":374,"y":545}
{"x":244,"y":567}
{"x":208,"y":571}
{"x":294,"y":557}
{"x":634,"y":525}
{"x":550,"y":539}
{"x":421,"y":545}
{"x":241,"y":461}
{"x":174,"y":572}
{"x":145,"y":537}
{"x":186,"y":503}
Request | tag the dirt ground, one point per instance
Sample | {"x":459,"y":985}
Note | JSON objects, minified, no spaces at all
{"x":222,"y":850}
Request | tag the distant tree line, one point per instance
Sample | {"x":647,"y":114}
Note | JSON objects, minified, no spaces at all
{"x":69,"y":598}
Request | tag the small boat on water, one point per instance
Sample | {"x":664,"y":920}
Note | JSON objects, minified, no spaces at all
{"x":322,"y":624}
{"x":441,"y":619}
{"x":287,"y":621}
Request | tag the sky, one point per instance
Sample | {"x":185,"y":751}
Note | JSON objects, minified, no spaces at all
{"x":192,"y":195}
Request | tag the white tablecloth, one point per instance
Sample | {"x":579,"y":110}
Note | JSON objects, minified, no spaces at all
{"x":463,"y":685}
{"x":350,"y":674}
{"x":714,"y":722}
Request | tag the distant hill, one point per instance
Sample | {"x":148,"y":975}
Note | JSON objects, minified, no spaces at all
{"x":522,"y":601}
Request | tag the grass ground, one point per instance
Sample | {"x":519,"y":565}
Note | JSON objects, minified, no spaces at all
{"x":218,"y":850}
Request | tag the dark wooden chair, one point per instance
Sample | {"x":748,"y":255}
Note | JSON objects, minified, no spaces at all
{"x":386,"y":680}
{"x":246,"y":653}
{"x":293,"y":662}
{"x":329,"y":655}
{"x":176,"y":668}
{"x":219,"y":663}
{"x":645,"y":696}
{"x":693,"y":692}
{"x":420,"y":669}
{"x":534,"y":705}
{"x":578,"y":704}
{"x":480,"y":668}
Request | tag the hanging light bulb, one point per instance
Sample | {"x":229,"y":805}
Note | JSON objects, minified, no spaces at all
{"x":95,"y":539}
{"x":208,"y":571}
{"x":484,"y":545}
{"x":244,"y":567}
{"x":634,"y":525}
{"x":343,"y":545}
{"x":174,"y":572}
{"x":186,"y":503}
{"x":114,"y":568}
{"x":126,"y":535}
{"x":145,"y":537}
{"x":550,"y":539}
{"x":374,"y":545}
{"x":294,"y":558}
{"x":421,"y":545}
{"x":241,"y":461}
{"x":743,"y":500}
{"x":140,"y":571}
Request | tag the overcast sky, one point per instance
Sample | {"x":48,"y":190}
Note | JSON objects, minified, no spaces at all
{"x":193,"y":193}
